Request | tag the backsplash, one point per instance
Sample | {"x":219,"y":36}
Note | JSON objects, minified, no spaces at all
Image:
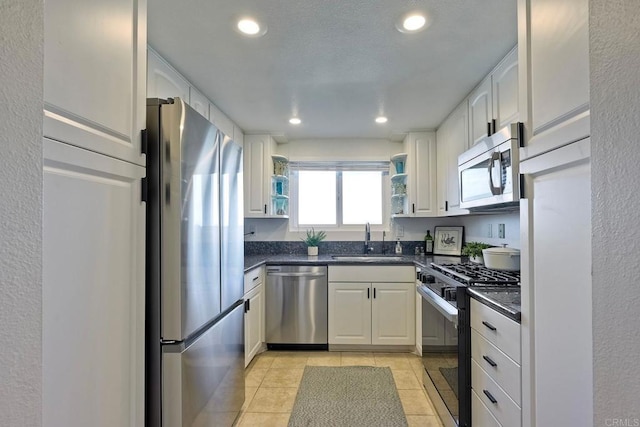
{"x":327,"y":247}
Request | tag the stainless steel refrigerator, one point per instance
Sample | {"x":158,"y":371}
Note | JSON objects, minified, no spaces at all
{"x":195,"y":310}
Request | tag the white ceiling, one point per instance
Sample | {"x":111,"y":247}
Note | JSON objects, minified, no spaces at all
{"x":336,"y":64}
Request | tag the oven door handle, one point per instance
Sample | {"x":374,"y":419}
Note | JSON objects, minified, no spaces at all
{"x":446,"y":309}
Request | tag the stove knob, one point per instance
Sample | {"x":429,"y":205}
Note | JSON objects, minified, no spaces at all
{"x":429,"y":279}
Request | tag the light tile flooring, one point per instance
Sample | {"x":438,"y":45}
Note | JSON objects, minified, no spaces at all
{"x":273,"y":377}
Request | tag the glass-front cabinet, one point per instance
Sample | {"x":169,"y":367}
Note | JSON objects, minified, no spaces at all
{"x":280,"y":186}
{"x":399,"y":199}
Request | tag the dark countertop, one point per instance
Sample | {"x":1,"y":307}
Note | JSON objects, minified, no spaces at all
{"x":504,"y":300}
{"x":254,"y":261}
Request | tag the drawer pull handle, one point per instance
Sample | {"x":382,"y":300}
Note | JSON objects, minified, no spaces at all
{"x":489,"y":361}
{"x":489,"y":325}
{"x":255,"y":278}
{"x":490,"y":397}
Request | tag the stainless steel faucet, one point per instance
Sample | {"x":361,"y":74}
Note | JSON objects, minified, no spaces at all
{"x":367,"y":238}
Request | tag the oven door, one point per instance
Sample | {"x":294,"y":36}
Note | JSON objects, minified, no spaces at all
{"x":440,"y":355}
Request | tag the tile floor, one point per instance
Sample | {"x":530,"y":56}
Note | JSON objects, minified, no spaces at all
{"x":273,"y":377}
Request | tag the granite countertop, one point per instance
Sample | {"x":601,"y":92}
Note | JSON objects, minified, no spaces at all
{"x":254,"y":261}
{"x":505,"y":300}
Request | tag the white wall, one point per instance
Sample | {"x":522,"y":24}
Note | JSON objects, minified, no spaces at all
{"x":615,"y":159}
{"x":21,"y":95}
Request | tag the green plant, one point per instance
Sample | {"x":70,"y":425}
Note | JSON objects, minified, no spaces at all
{"x":313,"y":238}
{"x":474,"y":249}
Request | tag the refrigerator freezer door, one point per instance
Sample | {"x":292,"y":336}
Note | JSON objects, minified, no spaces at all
{"x":232,"y":221}
{"x":190,"y":235}
{"x":203,"y":384}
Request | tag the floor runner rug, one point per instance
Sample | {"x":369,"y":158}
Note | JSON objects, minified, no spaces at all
{"x":349,"y":396}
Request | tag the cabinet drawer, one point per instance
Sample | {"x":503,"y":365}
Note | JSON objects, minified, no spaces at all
{"x":480,"y":414}
{"x":506,"y":372}
{"x":253,"y":278}
{"x":506,"y":411}
{"x":372,"y":273}
{"x":498,"y":329}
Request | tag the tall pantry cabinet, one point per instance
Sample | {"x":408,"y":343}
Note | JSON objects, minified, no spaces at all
{"x":94,"y":216}
{"x":555,"y":217}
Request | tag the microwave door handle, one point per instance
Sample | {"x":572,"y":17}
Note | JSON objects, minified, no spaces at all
{"x":494,"y":190}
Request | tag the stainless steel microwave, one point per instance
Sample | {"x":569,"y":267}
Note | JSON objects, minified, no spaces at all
{"x":488,"y":172}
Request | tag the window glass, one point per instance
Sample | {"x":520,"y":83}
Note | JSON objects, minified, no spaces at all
{"x":361,"y":197}
{"x":317,"y":201}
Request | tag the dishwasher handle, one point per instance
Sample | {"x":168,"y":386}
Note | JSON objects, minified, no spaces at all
{"x":292,"y":274}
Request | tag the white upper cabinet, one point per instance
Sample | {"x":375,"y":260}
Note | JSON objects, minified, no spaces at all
{"x":480,"y":111}
{"x":421,"y":174}
{"x":505,"y":91}
{"x":199,"y":102}
{"x":452,"y":138}
{"x":238,"y":136}
{"x":222,"y":122}
{"x":557,"y":73}
{"x":494,"y":103}
{"x":163,"y":81}
{"x":94,"y":75}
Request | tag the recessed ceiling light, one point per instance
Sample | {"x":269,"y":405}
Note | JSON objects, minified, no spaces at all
{"x":295,"y":121}
{"x":251,"y":27}
{"x":381,"y":119}
{"x":412,"y":23}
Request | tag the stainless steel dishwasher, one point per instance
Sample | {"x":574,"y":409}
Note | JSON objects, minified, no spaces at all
{"x":296,"y":306}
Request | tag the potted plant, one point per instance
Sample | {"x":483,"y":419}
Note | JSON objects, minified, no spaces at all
{"x":474,"y":251}
{"x":312,"y":240}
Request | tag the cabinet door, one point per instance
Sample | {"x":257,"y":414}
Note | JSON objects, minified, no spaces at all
{"x":256,"y":149}
{"x":393,"y":316}
{"x":442,"y":153}
{"x":480,"y":111}
{"x":221,"y":120}
{"x":94,"y":75}
{"x":163,"y":81}
{"x":505,"y":91}
{"x":253,"y":323}
{"x":238,"y":135}
{"x":452,"y":140}
{"x":349,"y":313}
{"x":199,"y":102}
{"x":422,"y":172}
{"x":93,"y":289}
{"x":557,"y":73}
{"x":557,"y":267}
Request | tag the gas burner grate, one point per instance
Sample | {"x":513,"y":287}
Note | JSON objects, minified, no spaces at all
{"x":470,"y":273}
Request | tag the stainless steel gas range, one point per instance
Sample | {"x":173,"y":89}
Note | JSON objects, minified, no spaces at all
{"x":446,"y":341}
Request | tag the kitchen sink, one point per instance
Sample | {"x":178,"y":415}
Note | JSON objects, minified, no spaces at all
{"x":367,"y":258}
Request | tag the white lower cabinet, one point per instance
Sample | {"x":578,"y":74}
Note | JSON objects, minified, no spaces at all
{"x":481,"y":415}
{"x":253,"y":323}
{"x":371,"y":312}
{"x":93,"y":289}
{"x":254,"y":314}
{"x":495,"y":368}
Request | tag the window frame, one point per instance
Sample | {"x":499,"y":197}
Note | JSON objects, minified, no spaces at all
{"x":338,"y":167}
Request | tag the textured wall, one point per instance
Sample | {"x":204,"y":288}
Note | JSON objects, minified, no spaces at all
{"x":21,"y":50}
{"x":615,"y":130}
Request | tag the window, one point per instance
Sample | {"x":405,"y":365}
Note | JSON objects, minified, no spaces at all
{"x":338,"y":195}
